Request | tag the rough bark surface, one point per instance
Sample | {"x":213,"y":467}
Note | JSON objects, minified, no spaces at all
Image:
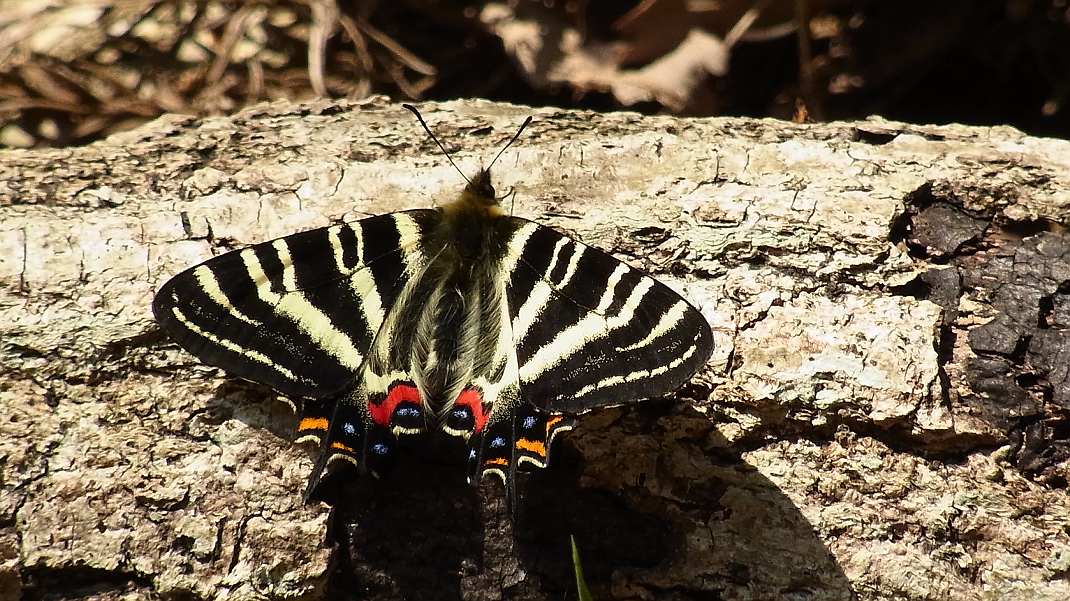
{"x":886,"y":415}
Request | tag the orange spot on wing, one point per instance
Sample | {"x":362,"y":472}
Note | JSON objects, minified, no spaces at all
{"x":532,"y":445}
{"x":312,"y":423}
{"x":553,"y":421}
{"x":498,"y":461}
{"x":342,"y":447}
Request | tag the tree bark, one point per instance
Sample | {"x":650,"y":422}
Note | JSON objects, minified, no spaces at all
{"x":886,"y":415}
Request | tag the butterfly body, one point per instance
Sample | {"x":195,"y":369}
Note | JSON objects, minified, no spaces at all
{"x":462,"y":320}
{"x":448,"y":312}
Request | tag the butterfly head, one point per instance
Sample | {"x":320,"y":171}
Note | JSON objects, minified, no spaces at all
{"x":478,"y":197}
{"x":480,"y":190}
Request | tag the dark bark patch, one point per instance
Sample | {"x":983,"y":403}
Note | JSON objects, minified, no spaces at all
{"x":1021,"y":370}
{"x":875,"y":137}
{"x":943,"y":229}
{"x":935,"y":226}
{"x":1043,"y":447}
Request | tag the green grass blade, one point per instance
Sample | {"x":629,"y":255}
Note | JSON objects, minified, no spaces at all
{"x":582,"y":591}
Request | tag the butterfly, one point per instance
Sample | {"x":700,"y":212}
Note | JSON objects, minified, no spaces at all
{"x":461,"y":319}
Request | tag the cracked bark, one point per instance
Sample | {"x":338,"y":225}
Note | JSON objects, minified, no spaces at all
{"x":885,"y":415}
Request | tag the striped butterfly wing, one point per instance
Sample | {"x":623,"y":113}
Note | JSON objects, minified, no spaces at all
{"x":297,"y":313}
{"x":590,"y":331}
{"x":582,"y":330}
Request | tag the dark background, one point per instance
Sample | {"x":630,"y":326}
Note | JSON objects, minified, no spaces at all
{"x":75,"y":74}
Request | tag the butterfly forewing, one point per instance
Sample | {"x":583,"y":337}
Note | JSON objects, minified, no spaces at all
{"x":590,"y":331}
{"x":297,"y":313}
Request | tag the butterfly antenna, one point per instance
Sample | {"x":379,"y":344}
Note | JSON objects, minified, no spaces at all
{"x":506,"y":147}
{"x":420,"y":118}
{"x":512,"y":199}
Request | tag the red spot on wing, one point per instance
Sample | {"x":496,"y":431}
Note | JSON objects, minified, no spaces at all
{"x":473,"y":399}
{"x":398,"y":393}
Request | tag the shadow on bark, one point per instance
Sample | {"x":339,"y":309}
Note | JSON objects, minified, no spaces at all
{"x":660,"y":508}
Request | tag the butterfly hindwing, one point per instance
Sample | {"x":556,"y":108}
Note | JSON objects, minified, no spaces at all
{"x":522,"y":439}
